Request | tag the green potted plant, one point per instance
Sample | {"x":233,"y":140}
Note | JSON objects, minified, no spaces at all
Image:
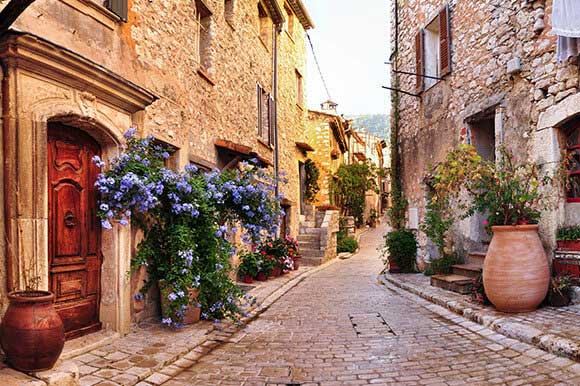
{"x":559,"y":294}
{"x":266,"y":265}
{"x":293,"y":251}
{"x":516,"y":273}
{"x":400,"y":251}
{"x":373,"y":217}
{"x":568,"y":238}
{"x":248,"y":268}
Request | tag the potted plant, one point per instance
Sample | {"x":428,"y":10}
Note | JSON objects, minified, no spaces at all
{"x":248,"y":268}
{"x":277,"y":249}
{"x":292,"y":251}
{"x":400,"y":251}
{"x":373,"y":217}
{"x":266,"y":265}
{"x":31,"y":318}
{"x":559,"y":294}
{"x":516,"y":273}
{"x":568,"y":238}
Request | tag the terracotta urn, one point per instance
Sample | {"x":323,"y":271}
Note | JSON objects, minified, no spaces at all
{"x":32,"y":332}
{"x":516,"y":274}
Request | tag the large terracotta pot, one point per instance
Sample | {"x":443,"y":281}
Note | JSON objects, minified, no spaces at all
{"x":516,"y":274}
{"x":32,"y":333}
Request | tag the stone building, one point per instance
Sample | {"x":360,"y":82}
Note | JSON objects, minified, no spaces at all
{"x":490,"y":76}
{"x":220,"y":80}
{"x":326,"y":133}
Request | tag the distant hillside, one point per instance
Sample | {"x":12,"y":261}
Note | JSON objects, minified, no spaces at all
{"x":377,"y":124}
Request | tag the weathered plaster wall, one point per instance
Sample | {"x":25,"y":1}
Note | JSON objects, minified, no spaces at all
{"x":485,"y":36}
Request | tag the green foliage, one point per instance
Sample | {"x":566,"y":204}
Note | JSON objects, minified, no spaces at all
{"x":312,"y":175}
{"x":398,"y":201}
{"x":569,"y":233}
{"x":349,"y":189}
{"x":276,"y":251}
{"x":443,"y":265}
{"x":437,"y":223}
{"x":478,"y":291}
{"x":401,"y":246}
{"x":347,"y":244}
{"x":561,"y":283}
{"x":509,"y":192}
{"x":249,"y":264}
{"x":377,"y":124}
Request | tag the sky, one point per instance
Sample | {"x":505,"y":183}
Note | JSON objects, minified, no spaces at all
{"x":351,"y":42}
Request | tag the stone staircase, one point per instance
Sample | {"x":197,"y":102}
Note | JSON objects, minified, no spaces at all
{"x":316,"y":235}
{"x":461,"y":279}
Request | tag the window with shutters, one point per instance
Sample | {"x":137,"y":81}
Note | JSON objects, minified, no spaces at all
{"x":118,"y":7}
{"x":265,"y":115}
{"x":433,"y":51}
{"x":289,"y":20}
{"x":203,"y":41}
{"x":299,"y":89}
{"x":572,"y":134}
{"x":265,"y":26}
{"x":229,"y":11}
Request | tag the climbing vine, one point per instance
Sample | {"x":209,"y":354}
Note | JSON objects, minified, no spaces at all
{"x":312,"y":175}
{"x":398,"y":201}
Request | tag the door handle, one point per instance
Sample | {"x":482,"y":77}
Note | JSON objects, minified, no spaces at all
{"x":69,"y":219}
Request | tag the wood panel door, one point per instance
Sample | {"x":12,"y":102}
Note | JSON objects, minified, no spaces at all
{"x":74,"y":230}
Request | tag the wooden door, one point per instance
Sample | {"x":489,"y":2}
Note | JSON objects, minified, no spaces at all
{"x":302,"y":178}
{"x":74,"y":230}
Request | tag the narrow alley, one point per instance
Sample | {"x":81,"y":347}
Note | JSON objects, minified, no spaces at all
{"x":340,"y":327}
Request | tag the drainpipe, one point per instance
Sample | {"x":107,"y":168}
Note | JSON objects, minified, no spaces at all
{"x":278,"y":30}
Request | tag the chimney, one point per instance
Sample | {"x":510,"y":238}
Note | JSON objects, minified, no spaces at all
{"x":329,"y":106}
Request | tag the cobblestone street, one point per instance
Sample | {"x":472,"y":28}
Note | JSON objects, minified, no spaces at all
{"x":340,"y":327}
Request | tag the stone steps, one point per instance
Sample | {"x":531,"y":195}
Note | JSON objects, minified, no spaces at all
{"x":311,"y":252}
{"x":309,"y":244}
{"x":468,"y":270}
{"x":310,"y":261}
{"x":476,"y":258}
{"x":306,"y":231}
{"x":308,"y":237}
{"x":456,"y":283}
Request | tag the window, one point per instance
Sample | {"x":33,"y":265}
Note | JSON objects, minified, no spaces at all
{"x":299,"y":89}
{"x":229,"y":10}
{"x":573,"y":150}
{"x":289,"y":20}
{"x":265,"y":27}
{"x":433,"y":51}
{"x":265,"y":115}
{"x":118,"y":7}
{"x":203,"y":40}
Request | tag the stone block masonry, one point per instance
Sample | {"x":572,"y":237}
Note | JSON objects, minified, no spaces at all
{"x":484,"y":100}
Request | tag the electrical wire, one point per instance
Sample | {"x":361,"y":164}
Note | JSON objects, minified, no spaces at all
{"x":318,"y":65}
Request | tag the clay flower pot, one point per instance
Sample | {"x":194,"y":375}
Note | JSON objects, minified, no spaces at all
{"x":277,"y":271}
{"x":296,"y":263}
{"x":32,"y":333}
{"x":248,"y":279}
{"x":516,"y":274}
{"x":192,"y":313}
{"x":568,"y":245}
{"x":262,"y":276}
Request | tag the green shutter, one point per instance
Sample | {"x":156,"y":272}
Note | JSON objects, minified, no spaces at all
{"x":118,"y":7}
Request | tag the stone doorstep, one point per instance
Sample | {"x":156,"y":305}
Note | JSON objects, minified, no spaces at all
{"x":453,"y":282}
{"x":544,"y":340}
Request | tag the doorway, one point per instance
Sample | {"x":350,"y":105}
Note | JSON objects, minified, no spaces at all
{"x":74,"y":251}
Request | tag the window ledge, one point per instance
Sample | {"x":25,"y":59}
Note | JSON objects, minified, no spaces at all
{"x":265,"y":144}
{"x":95,"y":11}
{"x":290,"y":37}
{"x":264,"y":43}
{"x":202,"y":72}
{"x":230,"y":24}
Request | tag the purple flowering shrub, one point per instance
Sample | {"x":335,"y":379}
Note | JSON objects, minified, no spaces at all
{"x":247,"y":196}
{"x":185,"y":217}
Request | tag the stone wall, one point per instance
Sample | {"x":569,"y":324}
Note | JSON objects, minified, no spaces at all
{"x":197,"y":103}
{"x":487,"y":38}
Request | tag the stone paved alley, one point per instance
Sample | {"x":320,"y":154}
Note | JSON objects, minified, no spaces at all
{"x":308,"y":338}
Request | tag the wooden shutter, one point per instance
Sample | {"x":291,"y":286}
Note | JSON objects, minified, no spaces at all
{"x":444,"y":41}
{"x":118,"y":7}
{"x":259,"y":93}
{"x":419,"y":60}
